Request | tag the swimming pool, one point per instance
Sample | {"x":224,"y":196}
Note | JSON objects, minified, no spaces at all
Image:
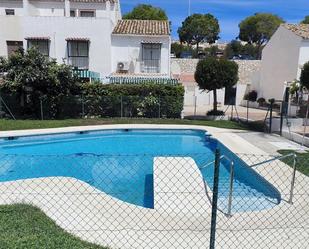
{"x":120,"y":163}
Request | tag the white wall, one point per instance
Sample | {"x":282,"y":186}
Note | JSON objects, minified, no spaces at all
{"x":206,"y":98}
{"x":128,"y":48}
{"x":11,"y":30}
{"x":17,"y":28}
{"x":60,"y":28}
{"x":303,"y":55}
{"x":57,"y":8}
{"x":46,"y":19}
{"x":11,"y":4}
{"x":46,"y":8}
{"x":202,"y":98}
{"x":280,"y":60}
{"x":100,"y":8}
{"x":241,"y":92}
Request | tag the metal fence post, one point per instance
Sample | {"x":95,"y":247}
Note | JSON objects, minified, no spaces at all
{"x":83,"y":107}
{"x":271,"y":116}
{"x":159,"y":103}
{"x":293,"y":178}
{"x":41,"y":108}
{"x":121,"y":107}
{"x":195,"y":101}
{"x":215,"y":201}
{"x":229,"y":210}
{"x":247,"y":111}
{"x":281,"y":118}
{"x":0,"y":103}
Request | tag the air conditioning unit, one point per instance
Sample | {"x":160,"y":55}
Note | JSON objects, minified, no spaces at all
{"x":123,"y":66}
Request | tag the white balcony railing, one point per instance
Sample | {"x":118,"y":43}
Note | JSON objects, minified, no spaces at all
{"x":151,"y":66}
{"x":79,"y":62}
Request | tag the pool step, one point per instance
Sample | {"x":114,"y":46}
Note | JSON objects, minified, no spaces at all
{"x":179,"y":186}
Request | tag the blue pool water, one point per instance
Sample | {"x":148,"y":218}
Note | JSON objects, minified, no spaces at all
{"x":120,"y":163}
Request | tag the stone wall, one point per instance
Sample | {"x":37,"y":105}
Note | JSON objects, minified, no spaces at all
{"x":184,"y":69}
{"x":249,"y":70}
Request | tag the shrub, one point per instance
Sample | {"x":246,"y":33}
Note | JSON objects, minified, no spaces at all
{"x":138,"y":100}
{"x":261,"y":101}
{"x":215,"y":113}
{"x":32,"y":76}
{"x":252,"y":96}
{"x":304,"y":78}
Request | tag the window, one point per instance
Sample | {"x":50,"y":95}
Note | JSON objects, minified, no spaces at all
{"x":72,"y":13}
{"x":78,"y":54}
{"x":41,"y":45}
{"x":151,"y":58}
{"x":10,"y":12}
{"x":13,"y":46}
{"x":87,"y":13}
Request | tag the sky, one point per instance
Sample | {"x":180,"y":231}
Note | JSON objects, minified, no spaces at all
{"x":228,"y":12}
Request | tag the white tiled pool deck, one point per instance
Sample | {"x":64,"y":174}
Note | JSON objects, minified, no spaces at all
{"x":181,"y":219}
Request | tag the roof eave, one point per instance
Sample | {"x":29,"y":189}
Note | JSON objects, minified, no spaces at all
{"x":140,"y":35}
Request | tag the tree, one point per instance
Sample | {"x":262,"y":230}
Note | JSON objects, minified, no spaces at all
{"x":259,"y":28}
{"x":212,"y":74}
{"x":199,"y":28}
{"x":304,"y":77}
{"x":178,"y":49}
{"x":146,"y":12}
{"x":306,"y":20}
{"x":212,"y":51}
{"x":304,"y":81}
{"x":233,"y":48}
{"x":236,"y":48}
{"x":33,"y":76}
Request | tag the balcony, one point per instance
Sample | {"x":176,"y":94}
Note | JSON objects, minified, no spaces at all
{"x":79,"y":62}
{"x":151,"y":66}
{"x":86,"y":74}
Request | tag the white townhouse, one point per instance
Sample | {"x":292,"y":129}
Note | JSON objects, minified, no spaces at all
{"x":282,"y":60}
{"x":87,"y":34}
{"x":141,"y":47}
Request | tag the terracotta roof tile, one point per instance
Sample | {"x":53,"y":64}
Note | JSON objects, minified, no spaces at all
{"x":37,"y":38}
{"x":142,"y":27}
{"x":301,"y":30}
{"x":77,"y":39}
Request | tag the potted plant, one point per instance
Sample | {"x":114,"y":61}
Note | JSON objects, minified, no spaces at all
{"x":261,"y":101}
{"x":250,"y":99}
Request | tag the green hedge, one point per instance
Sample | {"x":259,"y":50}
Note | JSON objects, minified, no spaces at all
{"x":99,"y":100}
{"x":142,"y":100}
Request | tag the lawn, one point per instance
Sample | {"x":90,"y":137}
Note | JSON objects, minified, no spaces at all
{"x":24,"y":226}
{"x":302,"y":161}
{"x":6,"y":125}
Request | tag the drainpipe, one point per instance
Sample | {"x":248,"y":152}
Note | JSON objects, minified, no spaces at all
{"x":108,"y":8}
{"x":26,"y":7}
{"x":169,"y":56}
{"x":55,"y":47}
{"x":67,"y":8}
